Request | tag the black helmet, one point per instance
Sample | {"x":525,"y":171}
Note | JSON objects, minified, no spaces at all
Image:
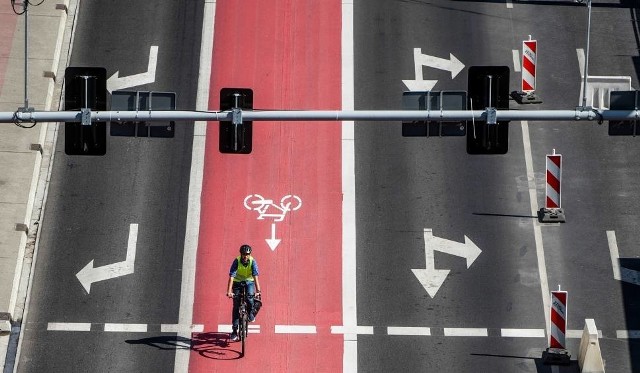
{"x":245,"y":249}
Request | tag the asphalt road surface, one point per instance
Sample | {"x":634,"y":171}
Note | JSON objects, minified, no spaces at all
{"x":491,"y":311}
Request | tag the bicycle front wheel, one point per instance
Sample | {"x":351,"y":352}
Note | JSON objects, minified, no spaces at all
{"x":243,"y":332}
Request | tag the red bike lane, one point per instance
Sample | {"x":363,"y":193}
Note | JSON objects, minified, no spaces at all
{"x":288,"y":52}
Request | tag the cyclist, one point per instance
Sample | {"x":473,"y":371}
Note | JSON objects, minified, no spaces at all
{"x":244,"y":268}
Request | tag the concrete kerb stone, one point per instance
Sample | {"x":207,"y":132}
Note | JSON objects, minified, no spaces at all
{"x":44,"y":150}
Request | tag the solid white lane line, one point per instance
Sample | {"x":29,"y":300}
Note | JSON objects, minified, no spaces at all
{"x":187,"y":290}
{"x":522,"y":333}
{"x":295,"y":329}
{"x":466,"y":332}
{"x":115,"y":327}
{"x":537,"y":232}
{"x":404,"y":330}
{"x":69,"y":326}
{"x":349,"y":311}
{"x":509,"y":4}
{"x":516,"y":60}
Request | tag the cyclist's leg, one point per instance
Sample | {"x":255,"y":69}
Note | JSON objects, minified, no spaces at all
{"x":251,"y":291}
{"x":235,"y":314}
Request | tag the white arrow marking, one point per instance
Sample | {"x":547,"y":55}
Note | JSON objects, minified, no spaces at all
{"x":420,"y":85}
{"x":115,"y":83}
{"x":273,"y":242}
{"x":452,"y":65}
{"x":90,"y":274}
{"x":620,"y":274}
{"x":432,"y":278}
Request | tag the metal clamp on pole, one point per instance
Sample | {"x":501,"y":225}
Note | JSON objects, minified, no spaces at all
{"x":85,"y":114}
{"x":492,"y":115}
{"x":236,"y":119}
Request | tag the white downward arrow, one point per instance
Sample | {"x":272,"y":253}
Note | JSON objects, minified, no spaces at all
{"x":452,"y":65}
{"x":420,"y":85}
{"x":432,"y":278}
{"x":90,"y":274}
{"x":273,"y":242}
{"x":620,"y":273}
{"x":115,"y":83}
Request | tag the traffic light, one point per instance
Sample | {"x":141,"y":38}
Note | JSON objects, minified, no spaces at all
{"x":122,"y":100}
{"x":624,"y":100}
{"x":235,"y":137}
{"x":488,"y":88}
{"x":434,"y":101}
{"x":85,"y":87}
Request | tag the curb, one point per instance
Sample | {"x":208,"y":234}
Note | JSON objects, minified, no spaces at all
{"x":11,"y":328}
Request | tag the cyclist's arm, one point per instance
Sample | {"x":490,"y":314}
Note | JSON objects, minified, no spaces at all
{"x":256,"y":280}
{"x":256,"y":277}
{"x":230,"y":287}
{"x":232,"y":273}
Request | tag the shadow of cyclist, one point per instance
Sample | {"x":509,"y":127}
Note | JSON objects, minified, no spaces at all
{"x":210,"y":345}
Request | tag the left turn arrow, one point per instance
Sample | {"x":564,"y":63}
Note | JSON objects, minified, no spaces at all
{"x":115,"y":82}
{"x":90,"y":274}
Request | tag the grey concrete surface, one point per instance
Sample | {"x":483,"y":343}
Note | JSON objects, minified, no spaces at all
{"x":25,"y":152}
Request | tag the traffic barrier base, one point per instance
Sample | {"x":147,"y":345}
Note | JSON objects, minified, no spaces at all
{"x":546,"y":215}
{"x":525,"y":97}
{"x":556,"y":356}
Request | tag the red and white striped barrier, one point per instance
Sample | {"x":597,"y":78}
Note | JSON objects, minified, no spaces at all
{"x":554,"y":179}
{"x":558,"y":319}
{"x":529,"y":61}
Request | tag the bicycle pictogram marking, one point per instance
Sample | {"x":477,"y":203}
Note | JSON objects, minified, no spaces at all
{"x":266,"y":208}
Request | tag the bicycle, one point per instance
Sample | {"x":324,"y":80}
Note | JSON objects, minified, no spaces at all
{"x":243,"y":311}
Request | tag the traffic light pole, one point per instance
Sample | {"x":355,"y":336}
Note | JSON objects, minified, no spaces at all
{"x":238,"y":115}
{"x":586,"y":60}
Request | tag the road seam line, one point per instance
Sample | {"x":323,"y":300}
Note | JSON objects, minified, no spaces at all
{"x":537,"y":231}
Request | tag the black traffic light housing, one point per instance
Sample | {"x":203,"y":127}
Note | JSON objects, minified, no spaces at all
{"x":85,"y":87}
{"x":236,"y":138}
{"x":488,"y":88}
{"x":434,"y":101}
{"x":624,"y":100}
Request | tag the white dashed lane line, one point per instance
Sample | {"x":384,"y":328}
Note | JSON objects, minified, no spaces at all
{"x":466,"y":332}
{"x":335,"y":329}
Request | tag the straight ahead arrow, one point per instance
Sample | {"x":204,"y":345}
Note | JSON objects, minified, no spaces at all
{"x":273,"y":242}
{"x":90,"y":274}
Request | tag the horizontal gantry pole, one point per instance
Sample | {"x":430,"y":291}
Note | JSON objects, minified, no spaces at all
{"x":322,"y":115}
